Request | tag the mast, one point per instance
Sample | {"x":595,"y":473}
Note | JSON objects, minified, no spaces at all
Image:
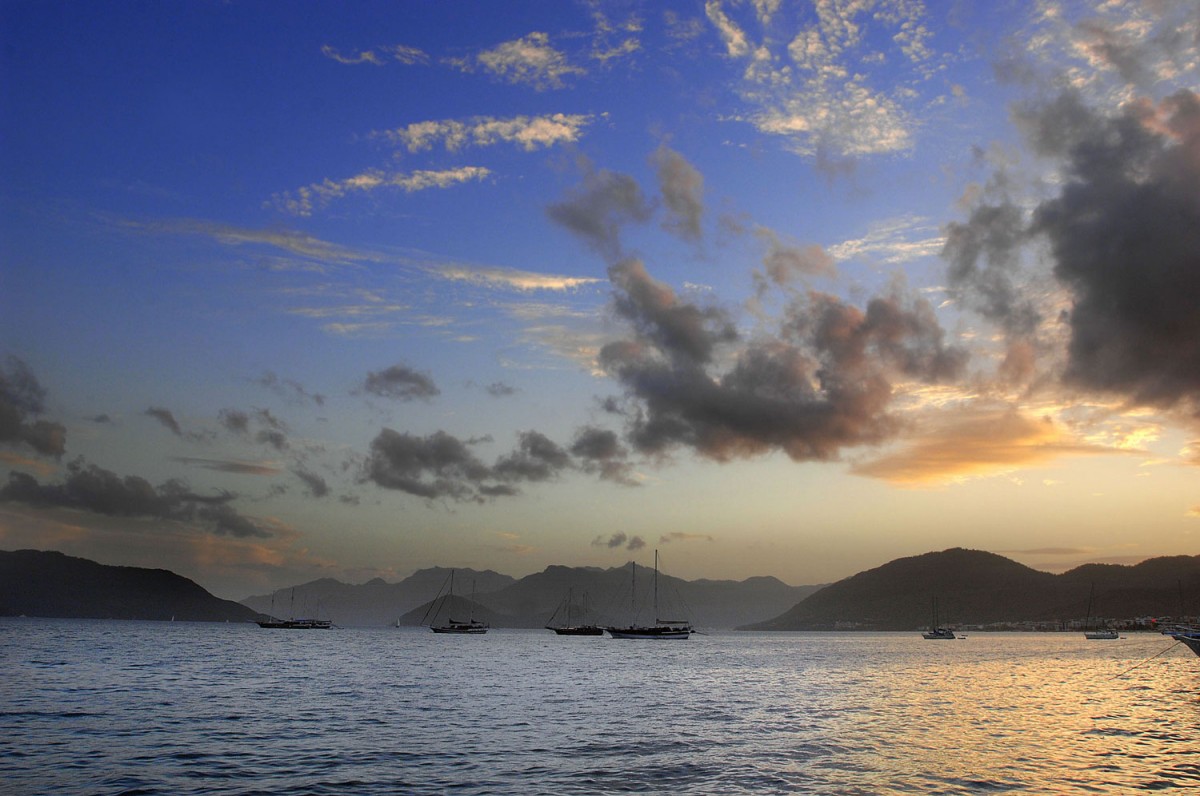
{"x":656,"y":587}
{"x":570,"y":597}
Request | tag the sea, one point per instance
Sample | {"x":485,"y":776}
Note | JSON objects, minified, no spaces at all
{"x":126,"y":707}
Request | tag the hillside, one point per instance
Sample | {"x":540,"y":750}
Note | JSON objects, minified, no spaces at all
{"x":529,"y":602}
{"x":50,"y":584}
{"x":980,"y":588}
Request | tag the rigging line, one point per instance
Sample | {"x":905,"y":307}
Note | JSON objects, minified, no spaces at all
{"x":1152,"y":657}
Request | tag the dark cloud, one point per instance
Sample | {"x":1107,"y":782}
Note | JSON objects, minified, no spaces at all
{"x":682,"y":188}
{"x":400,"y":383}
{"x":271,"y":430}
{"x":677,"y":328}
{"x":596,"y":210}
{"x":619,"y":539}
{"x":22,"y":399}
{"x":500,"y":390}
{"x":94,"y":489}
{"x":235,"y":420}
{"x":436,"y":466}
{"x":823,"y":383}
{"x":537,"y":458}
{"x":600,"y":451}
{"x":100,"y":418}
{"x":165,"y":417}
{"x":226,"y":466}
{"x":315,"y":484}
{"x":290,"y":390}
{"x":984,"y":263}
{"x":1125,"y":237}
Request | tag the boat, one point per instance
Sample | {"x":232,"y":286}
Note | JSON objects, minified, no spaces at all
{"x":273,"y":623}
{"x":662,"y":629}
{"x":936,"y":632}
{"x":1187,"y":636}
{"x":471,"y":626}
{"x":570,"y":629}
{"x":1100,"y":633}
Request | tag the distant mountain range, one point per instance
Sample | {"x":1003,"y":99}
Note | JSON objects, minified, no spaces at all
{"x":612,"y":596}
{"x":49,"y":584}
{"x":978,"y":588}
{"x":972,"y":587}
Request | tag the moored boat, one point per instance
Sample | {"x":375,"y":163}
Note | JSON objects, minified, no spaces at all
{"x":471,"y":626}
{"x":936,"y":632}
{"x":662,"y":629}
{"x":1188,"y":636}
{"x":571,"y":629}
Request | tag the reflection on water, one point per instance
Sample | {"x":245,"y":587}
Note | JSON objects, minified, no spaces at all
{"x":181,"y":708}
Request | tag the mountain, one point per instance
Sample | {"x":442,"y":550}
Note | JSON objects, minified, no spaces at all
{"x":979,"y":588}
{"x":529,"y":602}
{"x":50,"y":584}
{"x":375,"y":602}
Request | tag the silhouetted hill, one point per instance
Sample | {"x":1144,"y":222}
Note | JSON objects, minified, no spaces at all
{"x":50,"y":584}
{"x":529,"y":602}
{"x":980,"y":588}
{"x":375,"y":602}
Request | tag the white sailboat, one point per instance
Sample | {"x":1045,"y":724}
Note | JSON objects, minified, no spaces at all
{"x":1100,"y":633}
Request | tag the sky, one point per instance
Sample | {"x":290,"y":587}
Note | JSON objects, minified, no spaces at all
{"x":301,"y":290}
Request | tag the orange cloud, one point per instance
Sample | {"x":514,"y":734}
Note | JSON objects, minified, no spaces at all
{"x":984,"y":444}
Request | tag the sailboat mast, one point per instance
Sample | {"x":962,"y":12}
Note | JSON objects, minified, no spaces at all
{"x":656,"y":587}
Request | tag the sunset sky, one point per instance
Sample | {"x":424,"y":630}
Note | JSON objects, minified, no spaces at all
{"x":295,"y":290}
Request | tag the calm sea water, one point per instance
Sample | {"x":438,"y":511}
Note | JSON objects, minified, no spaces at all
{"x":180,"y":708}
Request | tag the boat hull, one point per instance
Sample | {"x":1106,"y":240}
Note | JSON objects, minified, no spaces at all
{"x":462,"y":630}
{"x":296,"y":624}
{"x":941,"y":634}
{"x":1101,"y":635}
{"x":1190,"y":639}
{"x":579,"y":630}
{"x":651,"y":633}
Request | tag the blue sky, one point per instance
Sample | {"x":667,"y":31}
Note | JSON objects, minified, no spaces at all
{"x":296,"y":290}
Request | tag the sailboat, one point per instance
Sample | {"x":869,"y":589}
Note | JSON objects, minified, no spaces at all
{"x":937,"y":632}
{"x":292,"y":623}
{"x":662,"y":628}
{"x":1100,"y":633}
{"x":570,"y":629}
{"x":470,"y":627}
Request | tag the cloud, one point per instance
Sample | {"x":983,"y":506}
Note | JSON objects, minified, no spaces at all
{"x":529,"y":60}
{"x":824,"y":382}
{"x":304,"y":200}
{"x":682,"y":188}
{"x":315,"y":484}
{"x":784,"y":263}
{"x":379,"y":56}
{"x":619,"y":539}
{"x":165,"y":417}
{"x":230,"y":466}
{"x":401,"y":383}
{"x":289,"y":389}
{"x":600,"y":451}
{"x":537,"y":458}
{"x":528,"y":132}
{"x":96,"y":490}
{"x":596,"y":210}
{"x":1125,"y":237}
{"x":291,"y":241}
{"x":22,"y":400}
{"x":974,"y":445}
{"x":511,"y":278}
{"x":815,"y":83}
{"x":437,"y":466}
{"x":271,"y":430}
{"x":680,"y":536}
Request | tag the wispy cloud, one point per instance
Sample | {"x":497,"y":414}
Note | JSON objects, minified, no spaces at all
{"x":378,"y":56}
{"x":975,"y":445}
{"x":818,"y":90}
{"x":511,"y":278}
{"x":304,"y":200}
{"x":529,"y":60}
{"x":527,"y":132}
